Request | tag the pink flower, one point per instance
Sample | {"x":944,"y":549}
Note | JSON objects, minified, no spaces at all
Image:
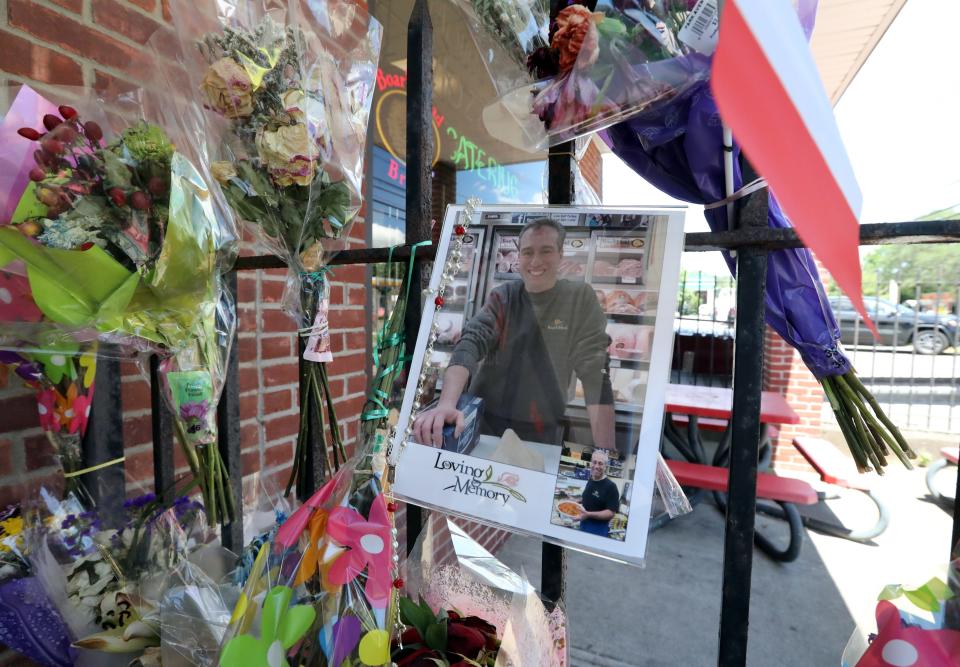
{"x":509,"y":478}
{"x":16,"y":303}
{"x":370,"y":547}
{"x":46,"y":406}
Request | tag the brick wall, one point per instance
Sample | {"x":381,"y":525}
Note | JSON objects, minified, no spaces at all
{"x":784,"y":372}
{"x":591,"y":167}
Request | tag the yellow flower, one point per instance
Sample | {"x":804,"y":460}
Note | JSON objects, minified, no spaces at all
{"x":288,"y":153}
{"x":222,"y":171}
{"x":228,"y":89}
{"x":10,"y":528}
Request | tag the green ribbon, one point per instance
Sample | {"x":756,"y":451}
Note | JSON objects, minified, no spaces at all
{"x":385,"y":342}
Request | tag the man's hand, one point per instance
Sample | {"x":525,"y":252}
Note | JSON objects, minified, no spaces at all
{"x":428,"y":425}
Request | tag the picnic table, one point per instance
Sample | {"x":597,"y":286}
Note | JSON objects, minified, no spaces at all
{"x":710,"y":408}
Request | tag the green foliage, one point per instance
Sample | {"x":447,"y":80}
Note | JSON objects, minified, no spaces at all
{"x":927,"y":267}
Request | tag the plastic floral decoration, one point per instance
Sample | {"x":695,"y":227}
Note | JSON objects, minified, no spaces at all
{"x":281,"y":626}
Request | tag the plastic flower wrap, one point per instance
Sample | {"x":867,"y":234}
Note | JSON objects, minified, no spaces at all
{"x":604,"y":61}
{"x":73,"y":592}
{"x":470,"y":606}
{"x":119,"y":236}
{"x":291,"y":84}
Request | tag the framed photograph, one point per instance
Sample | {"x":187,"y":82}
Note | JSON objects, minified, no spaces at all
{"x":536,"y":391}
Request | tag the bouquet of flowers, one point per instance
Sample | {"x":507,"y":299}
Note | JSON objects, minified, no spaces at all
{"x":472,"y":609}
{"x":604,"y":61}
{"x":119,"y":236}
{"x":72,"y":577}
{"x":293,"y":85}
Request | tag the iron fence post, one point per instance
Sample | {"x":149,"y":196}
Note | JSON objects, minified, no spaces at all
{"x":745,"y":431}
{"x":103,"y":440}
{"x":419,"y":194}
{"x":553,"y":560}
{"x":228,"y":440}
{"x":162,"y":427}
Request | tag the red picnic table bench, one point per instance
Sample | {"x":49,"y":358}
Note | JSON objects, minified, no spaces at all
{"x":709,"y":408}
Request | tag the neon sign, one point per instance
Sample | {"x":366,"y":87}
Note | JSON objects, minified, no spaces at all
{"x":466,"y":156}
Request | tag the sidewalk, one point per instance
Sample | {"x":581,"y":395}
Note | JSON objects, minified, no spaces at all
{"x":802,"y":613}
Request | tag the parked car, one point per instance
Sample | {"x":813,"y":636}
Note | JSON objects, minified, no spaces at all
{"x":898,"y":325}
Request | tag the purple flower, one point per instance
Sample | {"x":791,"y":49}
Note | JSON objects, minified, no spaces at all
{"x":194,"y":410}
{"x":139,"y":501}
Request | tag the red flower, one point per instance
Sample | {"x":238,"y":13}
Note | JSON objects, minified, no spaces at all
{"x":576,"y":30}
{"x":417,"y":657}
{"x":464,"y":641}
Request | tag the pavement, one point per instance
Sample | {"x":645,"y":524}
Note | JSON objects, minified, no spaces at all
{"x":802,"y":613}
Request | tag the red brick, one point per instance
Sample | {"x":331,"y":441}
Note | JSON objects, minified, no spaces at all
{"x":246,"y":288}
{"x":75,"y":6}
{"x":277,"y":401}
{"x":247,"y":319}
{"x":250,"y":461}
{"x":137,"y":430}
{"x":271,"y":291}
{"x":73,"y":36}
{"x":281,"y":427}
{"x":249,"y":379}
{"x":147,"y":5}
{"x":356,"y":384}
{"x":249,"y":405}
{"x":247,"y":348}
{"x":167,"y":16}
{"x":277,"y":321}
{"x":356,"y":340}
{"x":38,"y":452}
{"x":18,"y":413}
{"x":139,"y":466}
{"x":281,"y":374}
{"x":351,"y":274}
{"x":347,"y":319}
{"x":128,"y":22}
{"x":135,"y":395}
{"x":347,"y":363}
{"x":6,"y":457}
{"x":249,"y":435}
{"x":276,"y":347}
{"x":336,"y":295}
{"x":278,"y":455}
{"x":39,"y":63}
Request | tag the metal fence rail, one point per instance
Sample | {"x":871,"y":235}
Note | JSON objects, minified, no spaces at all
{"x":104,"y":436}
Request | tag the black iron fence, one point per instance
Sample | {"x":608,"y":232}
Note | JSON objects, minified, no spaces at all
{"x":913,"y":368}
{"x":752,"y":238}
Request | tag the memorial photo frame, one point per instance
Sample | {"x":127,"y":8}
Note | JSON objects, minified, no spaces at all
{"x":535,"y":395}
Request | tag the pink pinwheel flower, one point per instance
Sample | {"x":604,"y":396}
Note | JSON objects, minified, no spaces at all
{"x":369,"y":544}
{"x":46,"y":406}
{"x":81,"y":413}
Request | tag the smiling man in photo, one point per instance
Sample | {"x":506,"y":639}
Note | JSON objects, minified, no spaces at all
{"x":522,"y":352}
{"x":601,"y":498}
